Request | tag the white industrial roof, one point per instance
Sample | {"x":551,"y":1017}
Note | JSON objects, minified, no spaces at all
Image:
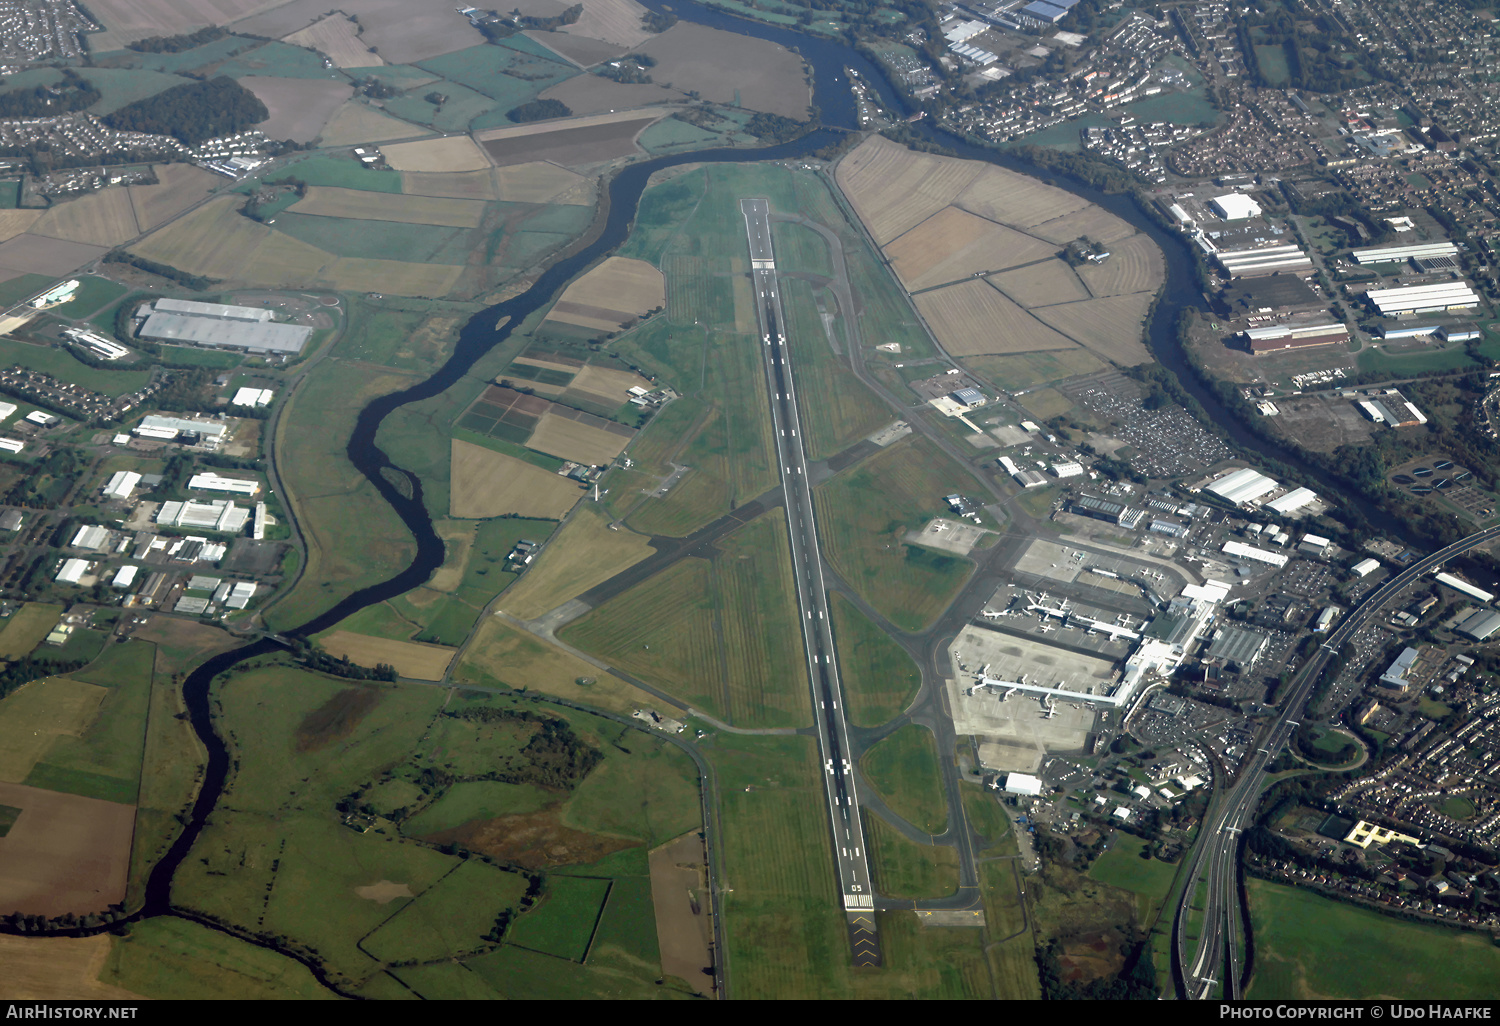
{"x":1241,"y":486}
{"x":219,"y":310}
{"x":1386,"y":254}
{"x":126,"y":577}
{"x":1235,"y":548}
{"x":72,"y":570}
{"x":1235,"y":206}
{"x":256,"y":336}
{"x":215,"y":483}
{"x":252,"y":397}
{"x":89,"y":537}
{"x":121,"y":484}
{"x":1293,"y":501}
{"x":1023,"y":783}
{"x":1366,"y":566}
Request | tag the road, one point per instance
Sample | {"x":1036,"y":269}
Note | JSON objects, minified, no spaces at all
{"x":812,"y":595}
{"x":1217,"y":956}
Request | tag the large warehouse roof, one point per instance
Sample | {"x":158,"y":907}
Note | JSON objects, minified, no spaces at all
{"x":1446,"y":295}
{"x":1242,"y":486}
{"x":256,"y":336}
{"x":1235,"y":206}
{"x":1391,"y":254}
{"x":1293,"y":500}
{"x":1480,"y":624}
{"x":220,"y":310}
{"x":1263,"y":260}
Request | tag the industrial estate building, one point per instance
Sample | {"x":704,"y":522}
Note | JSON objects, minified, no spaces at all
{"x":215,"y":483}
{"x":1392,"y":410}
{"x":1414,"y":299}
{"x":1242,"y":486}
{"x":1395,"y":675}
{"x":206,"y":433}
{"x":96,"y":344}
{"x":215,"y":515}
{"x":1276,"y":338}
{"x":1244,"y":263}
{"x":222,"y":327}
{"x":1397,"y":254}
{"x":1235,"y":207}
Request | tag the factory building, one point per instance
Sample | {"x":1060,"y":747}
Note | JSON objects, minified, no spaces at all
{"x":1275,"y":338}
{"x":1460,"y":585}
{"x":1234,"y":548}
{"x":1064,"y":470}
{"x":1393,"y":413}
{"x":1365,"y":567}
{"x":12,"y":444}
{"x":215,"y":515}
{"x":121,"y":484}
{"x":1293,"y":501}
{"x":1235,"y":207}
{"x":180,"y":429}
{"x":1480,"y":624}
{"x":1246,"y":263}
{"x":223,"y":327}
{"x":1023,"y":784}
{"x":1242,"y":486}
{"x":1415,"y":299}
{"x":1399,"y":253}
{"x":96,"y":344}
{"x":1109,"y":512}
{"x":90,"y":536}
{"x":1045,"y":12}
{"x":55,"y":295}
{"x":72,"y":571}
{"x":215,"y":483}
{"x":252,"y":397}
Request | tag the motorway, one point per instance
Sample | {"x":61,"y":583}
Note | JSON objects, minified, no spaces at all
{"x":1217,"y":957}
{"x":848,"y":838}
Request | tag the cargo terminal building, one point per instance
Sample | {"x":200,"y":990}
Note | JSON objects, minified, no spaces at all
{"x":218,"y":326}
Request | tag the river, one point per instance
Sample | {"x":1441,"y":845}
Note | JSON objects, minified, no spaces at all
{"x":479,"y":335}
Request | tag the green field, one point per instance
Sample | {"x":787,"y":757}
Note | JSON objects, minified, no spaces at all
{"x":281,"y":60}
{"x":452,"y":917}
{"x":462,"y":107}
{"x":26,"y":629}
{"x":93,"y":292}
{"x":23,"y":287}
{"x":987,"y":819}
{"x":105,"y":761}
{"x":563,"y":923}
{"x":1308,"y":946}
{"x":1148,"y":879}
{"x":905,"y":869}
{"x":354,"y":537}
{"x":477,"y":799}
{"x":1016,"y":371}
{"x":879,"y":678}
{"x":495,"y":71}
{"x":381,"y":240}
{"x":864,"y":512}
{"x":904,"y":769}
{"x":837,"y":410}
{"x":174,"y":959}
{"x":61,"y":365}
{"x":1373,"y":360}
{"x":278,"y":858}
{"x":344,"y":172}
{"x":729,"y":446}
{"x":721,"y":633}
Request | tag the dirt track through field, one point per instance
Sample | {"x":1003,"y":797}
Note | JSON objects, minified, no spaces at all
{"x":684,"y":928}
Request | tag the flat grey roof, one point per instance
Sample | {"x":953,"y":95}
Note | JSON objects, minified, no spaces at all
{"x":1237,"y":645}
{"x":258,"y":336}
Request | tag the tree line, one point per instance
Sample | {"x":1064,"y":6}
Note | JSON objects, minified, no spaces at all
{"x":193,"y":112}
{"x":178,"y":43}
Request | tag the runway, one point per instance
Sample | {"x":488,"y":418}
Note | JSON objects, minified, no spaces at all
{"x":846,"y":828}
